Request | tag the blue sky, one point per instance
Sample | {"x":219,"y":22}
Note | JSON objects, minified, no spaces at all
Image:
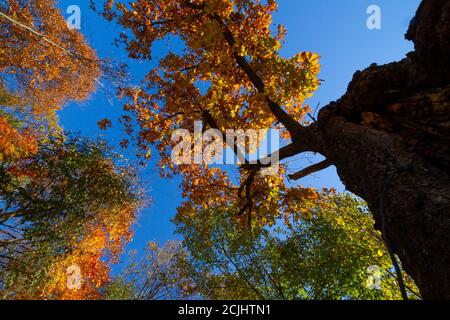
{"x":336,"y":30}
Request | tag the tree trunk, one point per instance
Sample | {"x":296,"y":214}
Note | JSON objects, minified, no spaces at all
{"x":389,"y":137}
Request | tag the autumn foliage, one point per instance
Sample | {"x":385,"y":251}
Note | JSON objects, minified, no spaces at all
{"x":43,"y":66}
{"x":230,"y":75}
{"x":15,"y":143}
{"x":43,"y":75}
{"x":63,"y":201}
{"x":68,"y":203}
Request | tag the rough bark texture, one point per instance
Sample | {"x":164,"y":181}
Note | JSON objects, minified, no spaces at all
{"x":389,"y":137}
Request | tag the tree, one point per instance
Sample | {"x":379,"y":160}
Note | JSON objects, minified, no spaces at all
{"x":67,"y":205}
{"x":172,"y":98}
{"x":158,"y":274}
{"x":43,"y":65}
{"x":390,"y":127}
{"x":44,"y":62}
{"x":325,"y":255}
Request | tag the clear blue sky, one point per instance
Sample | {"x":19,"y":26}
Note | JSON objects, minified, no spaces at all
{"x":336,"y":30}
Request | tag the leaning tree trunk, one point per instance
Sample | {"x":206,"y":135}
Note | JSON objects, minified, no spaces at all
{"x":389,"y":137}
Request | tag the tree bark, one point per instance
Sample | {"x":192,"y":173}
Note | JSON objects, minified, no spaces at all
{"x":389,"y":137}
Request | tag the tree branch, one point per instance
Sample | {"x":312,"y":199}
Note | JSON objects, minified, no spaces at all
{"x":282,"y":116}
{"x":212,"y":123}
{"x":310,"y":170}
{"x":43,"y":37}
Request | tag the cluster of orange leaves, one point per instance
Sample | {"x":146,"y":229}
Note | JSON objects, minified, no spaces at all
{"x":15,"y":143}
{"x":93,"y":254}
{"x":99,"y":246}
{"x":46,"y":76}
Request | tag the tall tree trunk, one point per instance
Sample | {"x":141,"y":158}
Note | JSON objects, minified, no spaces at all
{"x":389,"y":137}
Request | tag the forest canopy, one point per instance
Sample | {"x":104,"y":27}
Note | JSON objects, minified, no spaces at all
{"x":214,"y":76}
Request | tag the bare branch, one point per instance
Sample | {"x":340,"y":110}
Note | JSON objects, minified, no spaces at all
{"x":310,"y":170}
